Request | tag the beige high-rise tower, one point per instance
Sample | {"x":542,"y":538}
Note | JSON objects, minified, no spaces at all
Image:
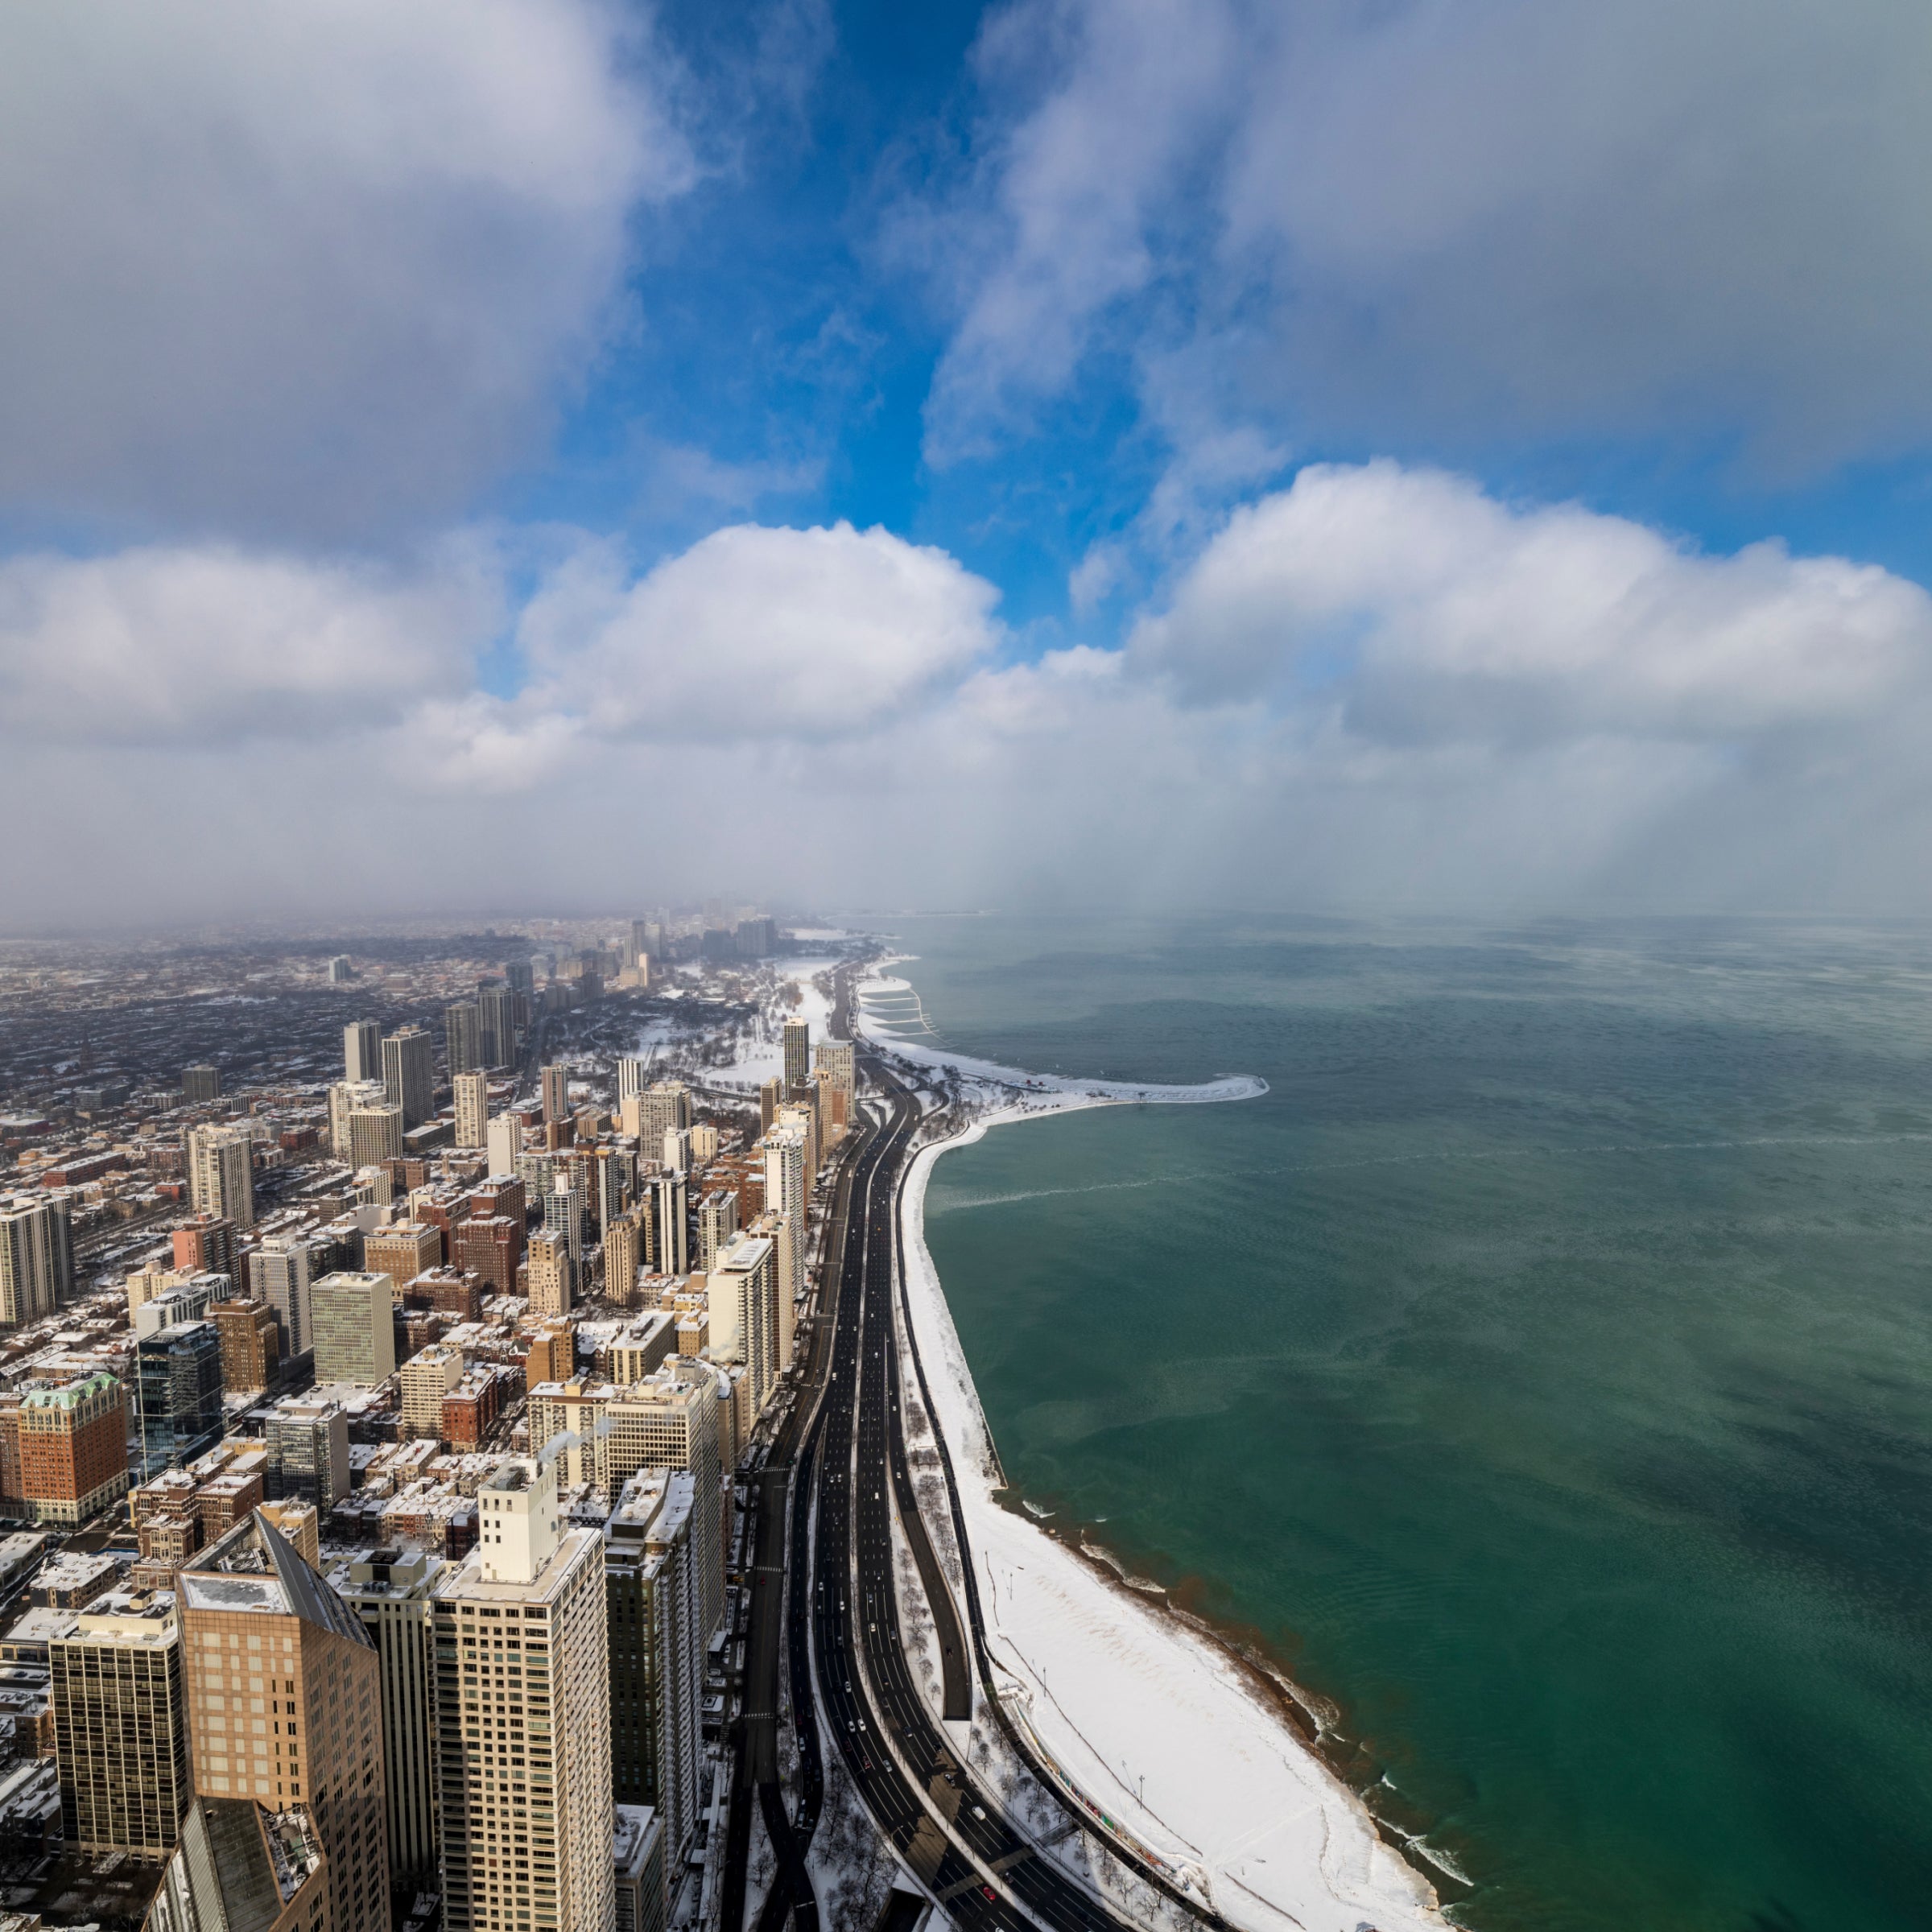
{"x":220,"y":1173}
{"x":523,"y":1717}
{"x":285,"y":1707}
{"x":471,"y":1093}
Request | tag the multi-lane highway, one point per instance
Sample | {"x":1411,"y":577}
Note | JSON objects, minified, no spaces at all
{"x":843,"y":1450}
{"x":947,"y":1828}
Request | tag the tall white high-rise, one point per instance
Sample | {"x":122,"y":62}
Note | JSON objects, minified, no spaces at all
{"x":471,"y":1093}
{"x":503,"y":1141}
{"x":220,"y":1173}
{"x":785,"y":1176}
{"x":523,"y":1696}
{"x":742,"y":1318}
{"x":670,"y":1226}
{"x":634,"y":1076}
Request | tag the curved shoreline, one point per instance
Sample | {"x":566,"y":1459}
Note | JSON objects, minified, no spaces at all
{"x":1109,"y":1682}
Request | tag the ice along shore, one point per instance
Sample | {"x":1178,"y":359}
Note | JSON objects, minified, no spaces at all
{"x":1149,"y":1718}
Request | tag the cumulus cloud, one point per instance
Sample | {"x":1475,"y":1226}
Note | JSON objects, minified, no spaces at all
{"x":193,"y":644}
{"x":1695,"y":217}
{"x":1429,"y":611}
{"x":1378,"y":685}
{"x":756,"y":632}
{"x":309,"y":267}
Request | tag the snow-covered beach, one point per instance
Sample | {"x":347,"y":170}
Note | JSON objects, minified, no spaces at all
{"x":1151,"y":1720}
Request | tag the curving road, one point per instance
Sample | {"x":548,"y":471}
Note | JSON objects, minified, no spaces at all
{"x":843,"y":1621}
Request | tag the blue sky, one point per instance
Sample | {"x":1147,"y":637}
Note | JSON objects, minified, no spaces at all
{"x":1460,"y":455}
{"x":790,"y":338}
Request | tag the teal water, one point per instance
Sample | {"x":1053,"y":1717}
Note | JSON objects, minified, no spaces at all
{"x":1542,"y":1367}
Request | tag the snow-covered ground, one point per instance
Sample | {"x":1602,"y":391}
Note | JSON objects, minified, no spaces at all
{"x":1020,"y":1092}
{"x":1147,"y":1719}
{"x":686,"y":1046}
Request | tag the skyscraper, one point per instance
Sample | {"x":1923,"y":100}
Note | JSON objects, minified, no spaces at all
{"x":206,"y":1245}
{"x":471,"y":1093}
{"x":563,"y":1215}
{"x":362,"y":1050}
{"x":798,"y":1055}
{"x":496,"y":1009}
{"x":220,"y":1173}
{"x":623,"y":1257}
{"x":785,"y":1183}
{"x":556,"y":1094}
{"x":549,"y":1273}
{"x":355,"y":1328}
{"x":36,"y":1257}
{"x":743,"y":1313}
{"x":717,"y":1225}
{"x":267,"y":1635}
{"x":634,"y":1076}
{"x":657,"y":1650}
{"x":178,"y":1394}
{"x":462,"y":1037}
{"x":503,"y":1141}
{"x":279,"y":1272}
{"x":409,"y":1073}
{"x":390,"y":1590}
{"x":375,"y":1133}
{"x":118,"y":1696}
{"x":308,"y":1452}
{"x":665,"y":1107}
{"x":424,"y":1380}
{"x":201,"y":1084}
{"x":250,"y":1333}
{"x":523,"y":1716}
{"x":670,"y":1224}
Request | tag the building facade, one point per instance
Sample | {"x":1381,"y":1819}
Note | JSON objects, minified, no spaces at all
{"x":523,"y":1717}
{"x":355,"y":1328}
{"x":470,"y":1091}
{"x":657,"y":1653}
{"x":390,"y":1590}
{"x":220,"y":1173}
{"x":73,"y":1448}
{"x":178,"y":1395}
{"x":118,"y":1696}
{"x":36,"y":1258}
{"x":285,"y":1705}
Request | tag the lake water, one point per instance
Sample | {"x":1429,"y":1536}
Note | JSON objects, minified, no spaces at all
{"x":1542,"y":1367}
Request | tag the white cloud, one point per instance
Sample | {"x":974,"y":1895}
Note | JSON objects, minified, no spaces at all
{"x":1377,"y":686}
{"x":192,"y":644}
{"x":1429,"y":611}
{"x":755,"y":632}
{"x":1070,"y":192}
{"x":307,"y":267}
{"x":1674,"y":217}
